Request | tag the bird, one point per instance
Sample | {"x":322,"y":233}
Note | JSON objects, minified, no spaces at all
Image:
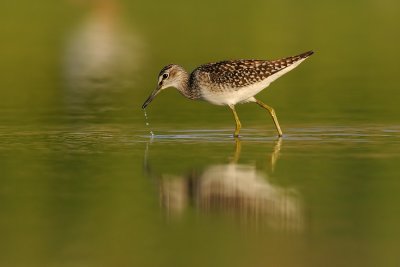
{"x":228,"y":82}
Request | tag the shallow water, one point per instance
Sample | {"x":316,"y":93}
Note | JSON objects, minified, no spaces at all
{"x":110,"y":194}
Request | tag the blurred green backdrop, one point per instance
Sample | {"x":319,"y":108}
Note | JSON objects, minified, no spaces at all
{"x":351,"y":77}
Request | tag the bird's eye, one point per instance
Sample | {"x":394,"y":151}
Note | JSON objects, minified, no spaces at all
{"x":165,"y":75}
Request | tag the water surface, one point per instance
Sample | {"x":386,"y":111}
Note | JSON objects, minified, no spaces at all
{"x":107,"y":194}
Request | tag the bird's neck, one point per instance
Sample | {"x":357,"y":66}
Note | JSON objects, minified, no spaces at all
{"x":185,"y":88}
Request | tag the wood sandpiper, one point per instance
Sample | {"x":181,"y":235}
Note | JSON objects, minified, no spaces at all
{"x":228,"y":82}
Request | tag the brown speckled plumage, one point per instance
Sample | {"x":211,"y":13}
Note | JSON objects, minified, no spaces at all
{"x":235,"y":74}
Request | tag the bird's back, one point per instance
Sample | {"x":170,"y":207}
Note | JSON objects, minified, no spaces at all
{"x":241,"y":75}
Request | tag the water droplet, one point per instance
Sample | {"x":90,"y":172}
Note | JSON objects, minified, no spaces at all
{"x":147,"y":123}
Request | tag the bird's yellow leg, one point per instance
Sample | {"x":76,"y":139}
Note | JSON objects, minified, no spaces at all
{"x":238,"y":125}
{"x":273,"y":115}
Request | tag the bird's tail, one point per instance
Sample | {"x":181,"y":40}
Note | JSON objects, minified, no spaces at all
{"x":293,"y":59}
{"x":305,"y":54}
{"x":284,"y":65}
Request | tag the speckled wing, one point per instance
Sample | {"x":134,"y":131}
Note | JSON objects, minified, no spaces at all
{"x":237,"y":74}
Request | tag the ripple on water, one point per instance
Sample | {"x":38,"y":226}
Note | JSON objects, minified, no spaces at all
{"x":320,"y":134}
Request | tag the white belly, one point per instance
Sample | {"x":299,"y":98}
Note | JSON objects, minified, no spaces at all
{"x":232,"y":96}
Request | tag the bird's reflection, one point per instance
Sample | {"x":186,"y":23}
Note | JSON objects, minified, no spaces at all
{"x":233,"y":189}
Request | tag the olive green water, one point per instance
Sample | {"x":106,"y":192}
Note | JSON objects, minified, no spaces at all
{"x":84,"y":183}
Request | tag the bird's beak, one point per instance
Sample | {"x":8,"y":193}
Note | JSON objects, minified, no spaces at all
{"x":151,"y":97}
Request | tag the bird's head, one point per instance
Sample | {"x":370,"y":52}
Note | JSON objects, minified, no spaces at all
{"x":170,"y":76}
